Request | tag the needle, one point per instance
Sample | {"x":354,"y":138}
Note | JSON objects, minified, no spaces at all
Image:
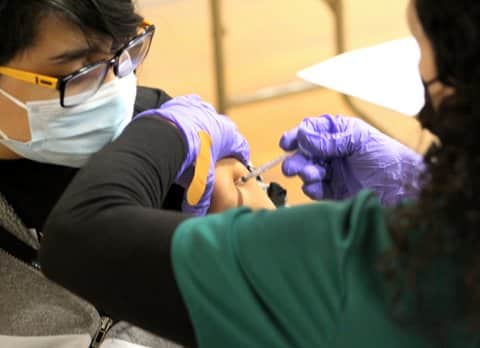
{"x":262,"y":169}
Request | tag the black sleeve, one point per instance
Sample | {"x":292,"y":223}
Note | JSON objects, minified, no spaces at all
{"x":108,"y":241}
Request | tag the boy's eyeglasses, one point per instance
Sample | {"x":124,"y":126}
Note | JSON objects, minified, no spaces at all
{"x":82,"y":84}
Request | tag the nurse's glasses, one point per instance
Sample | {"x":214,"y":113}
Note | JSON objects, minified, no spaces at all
{"x":82,"y":84}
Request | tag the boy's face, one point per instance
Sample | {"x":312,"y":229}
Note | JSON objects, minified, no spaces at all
{"x":60,"y":49}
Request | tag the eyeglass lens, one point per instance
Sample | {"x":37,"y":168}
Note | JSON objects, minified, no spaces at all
{"x":85,"y":85}
{"x":134,"y":55}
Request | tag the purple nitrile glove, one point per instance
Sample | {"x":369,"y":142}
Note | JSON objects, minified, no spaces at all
{"x":339,"y":156}
{"x":191,"y":115}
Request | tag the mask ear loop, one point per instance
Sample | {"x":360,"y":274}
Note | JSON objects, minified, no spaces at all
{"x":431,"y":82}
{"x":3,"y":135}
{"x":13,"y":99}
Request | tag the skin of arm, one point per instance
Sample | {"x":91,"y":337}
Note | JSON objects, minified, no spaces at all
{"x":226,"y":194}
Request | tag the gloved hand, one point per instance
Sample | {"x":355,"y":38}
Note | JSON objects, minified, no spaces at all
{"x":339,"y":156}
{"x":191,"y":115}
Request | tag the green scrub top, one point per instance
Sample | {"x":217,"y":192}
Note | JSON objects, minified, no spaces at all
{"x":304,"y":276}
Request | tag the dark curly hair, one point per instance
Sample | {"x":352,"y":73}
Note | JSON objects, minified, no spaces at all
{"x":435,"y":266}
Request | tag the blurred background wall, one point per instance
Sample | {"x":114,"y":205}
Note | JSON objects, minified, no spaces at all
{"x":267,"y":42}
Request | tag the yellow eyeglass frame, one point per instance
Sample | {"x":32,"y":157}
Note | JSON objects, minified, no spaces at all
{"x":59,"y":83}
{"x":36,"y":79}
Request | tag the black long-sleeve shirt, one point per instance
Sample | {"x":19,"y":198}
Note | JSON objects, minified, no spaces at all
{"x":32,"y":188}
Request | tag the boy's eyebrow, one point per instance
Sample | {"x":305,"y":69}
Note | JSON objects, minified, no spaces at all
{"x":75,"y":54}
{"x":72,"y":55}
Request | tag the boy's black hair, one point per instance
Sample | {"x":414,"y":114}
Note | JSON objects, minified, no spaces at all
{"x":20,"y":20}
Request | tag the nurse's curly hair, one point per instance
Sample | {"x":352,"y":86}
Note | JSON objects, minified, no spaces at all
{"x":436,"y":261}
{"x":98,"y":19}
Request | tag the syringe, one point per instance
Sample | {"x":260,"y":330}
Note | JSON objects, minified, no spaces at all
{"x":262,"y":169}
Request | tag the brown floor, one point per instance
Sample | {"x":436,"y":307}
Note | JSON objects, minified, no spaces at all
{"x":267,"y":41}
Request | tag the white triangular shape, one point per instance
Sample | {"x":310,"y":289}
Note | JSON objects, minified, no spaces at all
{"x":385,"y":74}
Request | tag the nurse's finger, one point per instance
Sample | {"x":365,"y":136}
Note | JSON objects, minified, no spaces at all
{"x":314,"y":191}
{"x":288,"y":141}
{"x":312,"y":173}
{"x":294,"y":164}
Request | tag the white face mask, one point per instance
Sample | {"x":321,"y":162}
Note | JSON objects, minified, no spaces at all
{"x":69,"y":136}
